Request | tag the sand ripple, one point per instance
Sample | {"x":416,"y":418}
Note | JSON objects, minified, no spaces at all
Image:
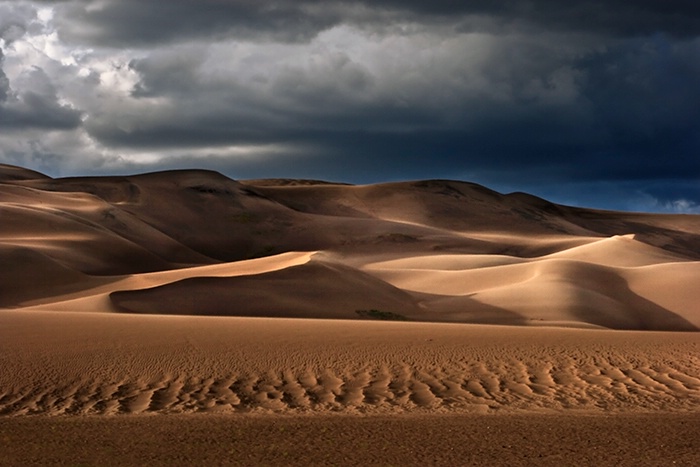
{"x":115,"y":364}
{"x":378,"y":389}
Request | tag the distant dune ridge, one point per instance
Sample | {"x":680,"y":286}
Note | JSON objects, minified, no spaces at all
{"x":197,"y":243}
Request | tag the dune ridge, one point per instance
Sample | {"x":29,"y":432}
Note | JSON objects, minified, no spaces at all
{"x":197,"y":242}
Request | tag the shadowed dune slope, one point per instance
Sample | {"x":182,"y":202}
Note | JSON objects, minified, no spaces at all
{"x":312,"y":290}
{"x":635,"y":290}
{"x":434,"y":250}
{"x":33,"y":275}
{"x":10,"y":173}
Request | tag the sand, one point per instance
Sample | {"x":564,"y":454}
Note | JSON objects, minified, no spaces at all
{"x":112,"y":389}
{"x":479,"y":440}
{"x":78,"y":363}
{"x":194,"y":242}
{"x":183,"y":318}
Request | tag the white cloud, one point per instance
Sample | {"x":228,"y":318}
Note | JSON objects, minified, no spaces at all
{"x":683,"y":206}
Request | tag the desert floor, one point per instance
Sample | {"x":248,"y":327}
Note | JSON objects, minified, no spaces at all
{"x":114,"y":389}
{"x":478,"y":440}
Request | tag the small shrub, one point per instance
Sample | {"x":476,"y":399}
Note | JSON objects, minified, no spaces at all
{"x":381,"y":315}
{"x":244,"y":217}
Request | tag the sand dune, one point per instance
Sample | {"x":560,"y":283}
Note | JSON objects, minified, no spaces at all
{"x":181,"y":242}
{"x":97,"y":298}
{"x":667,"y":286}
{"x":619,"y":251}
{"x":104,"y":282}
{"x":314,"y":290}
{"x":571,"y":287}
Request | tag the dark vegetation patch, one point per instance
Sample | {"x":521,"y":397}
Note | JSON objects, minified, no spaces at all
{"x":212,"y":190}
{"x":253,"y":193}
{"x":397,"y":238}
{"x":381,"y":315}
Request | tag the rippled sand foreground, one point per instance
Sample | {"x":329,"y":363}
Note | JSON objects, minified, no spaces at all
{"x":247,"y":391}
{"x":84,"y":363}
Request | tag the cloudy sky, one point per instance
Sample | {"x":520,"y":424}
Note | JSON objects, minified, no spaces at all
{"x":589,"y":102}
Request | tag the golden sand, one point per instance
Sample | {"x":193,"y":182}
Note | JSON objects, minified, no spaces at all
{"x":166,"y":319}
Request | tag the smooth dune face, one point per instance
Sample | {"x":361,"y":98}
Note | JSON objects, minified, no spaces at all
{"x":198,"y":243}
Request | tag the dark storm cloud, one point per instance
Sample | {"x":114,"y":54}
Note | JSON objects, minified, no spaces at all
{"x":15,"y":20}
{"x":616,"y":17}
{"x":35,"y":107}
{"x":554,"y":97}
{"x":13,"y":24}
{"x":37,"y":104}
{"x":626,"y":110}
{"x":33,"y":110}
{"x":134,"y":22}
{"x":4,"y":82}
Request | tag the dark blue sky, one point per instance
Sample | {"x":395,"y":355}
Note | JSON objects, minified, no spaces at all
{"x":590,"y":103}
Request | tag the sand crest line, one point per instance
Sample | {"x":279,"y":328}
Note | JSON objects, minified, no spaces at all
{"x":97,"y":299}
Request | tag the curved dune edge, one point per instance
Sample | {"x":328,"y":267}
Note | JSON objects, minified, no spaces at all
{"x":97,"y":299}
{"x":90,"y":363}
{"x":315,"y":289}
{"x":554,"y":290}
{"x":614,"y":283}
{"x":570,"y":288}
